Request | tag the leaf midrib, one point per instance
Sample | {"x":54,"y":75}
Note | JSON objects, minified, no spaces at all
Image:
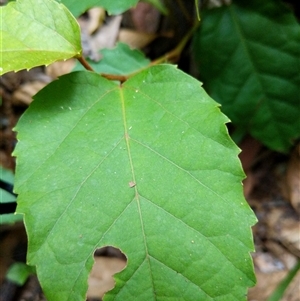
{"x":243,"y":41}
{"x":137,"y":197}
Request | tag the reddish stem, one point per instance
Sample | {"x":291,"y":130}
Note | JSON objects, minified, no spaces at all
{"x":85,"y":64}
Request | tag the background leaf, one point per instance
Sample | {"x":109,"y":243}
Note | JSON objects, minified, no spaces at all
{"x":19,"y":273}
{"x":113,"y":7}
{"x":159,"y":4}
{"x":249,"y":56}
{"x":121,"y":60}
{"x":7,"y":176}
{"x":36,"y":32}
{"x":5,"y":197}
{"x":147,"y":167}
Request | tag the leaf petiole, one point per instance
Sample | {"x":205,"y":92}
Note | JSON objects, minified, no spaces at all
{"x":197,"y":10}
{"x":84,"y":63}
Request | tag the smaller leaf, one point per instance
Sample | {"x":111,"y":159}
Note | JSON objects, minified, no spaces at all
{"x":8,"y":177}
{"x":19,"y":272}
{"x":36,"y":32}
{"x":121,"y":60}
{"x":159,"y":5}
{"x":113,"y":7}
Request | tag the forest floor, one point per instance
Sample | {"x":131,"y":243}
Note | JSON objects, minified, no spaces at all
{"x":272,"y":187}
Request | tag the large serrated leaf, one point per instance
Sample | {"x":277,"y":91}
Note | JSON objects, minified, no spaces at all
{"x":147,"y":167}
{"x":249,"y":58}
{"x":36,"y":32}
{"x":114,"y":7}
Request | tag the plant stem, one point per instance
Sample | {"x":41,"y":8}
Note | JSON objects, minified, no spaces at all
{"x":120,"y":78}
{"x":197,"y":10}
{"x":281,"y":288}
{"x":173,"y":55}
{"x":184,"y":11}
{"x":84,"y":63}
{"x":87,"y":66}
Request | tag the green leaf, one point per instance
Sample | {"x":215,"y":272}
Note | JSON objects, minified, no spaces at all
{"x":7,"y":176}
{"x":19,"y":273}
{"x":281,"y":288}
{"x":121,"y":60}
{"x":114,"y":7}
{"x":5,"y":197}
{"x":10,"y":218}
{"x":36,"y":32}
{"x":249,"y":57}
{"x":147,"y":167}
{"x":159,"y":5}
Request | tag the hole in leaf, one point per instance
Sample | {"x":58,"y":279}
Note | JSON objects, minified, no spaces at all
{"x":108,"y":261}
